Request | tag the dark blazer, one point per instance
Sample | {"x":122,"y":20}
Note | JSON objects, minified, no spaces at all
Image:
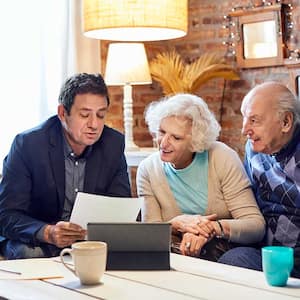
{"x":32,"y":191}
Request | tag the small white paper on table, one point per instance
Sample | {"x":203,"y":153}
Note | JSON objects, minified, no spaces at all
{"x":90,"y":208}
{"x":35,"y":268}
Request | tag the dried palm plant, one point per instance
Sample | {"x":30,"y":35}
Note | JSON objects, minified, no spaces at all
{"x":175,"y":76}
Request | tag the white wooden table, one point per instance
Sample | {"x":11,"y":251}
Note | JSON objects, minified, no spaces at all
{"x":189,"y":278}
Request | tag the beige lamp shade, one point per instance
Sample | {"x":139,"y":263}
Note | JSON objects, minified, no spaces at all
{"x":127,"y":64}
{"x":135,"y":20}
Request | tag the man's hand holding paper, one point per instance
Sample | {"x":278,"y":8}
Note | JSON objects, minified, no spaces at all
{"x":63,"y":234}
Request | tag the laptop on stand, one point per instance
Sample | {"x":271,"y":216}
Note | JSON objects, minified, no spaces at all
{"x":134,"y":246}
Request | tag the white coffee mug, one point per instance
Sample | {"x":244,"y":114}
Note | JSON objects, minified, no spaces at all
{"x":89,"y":258}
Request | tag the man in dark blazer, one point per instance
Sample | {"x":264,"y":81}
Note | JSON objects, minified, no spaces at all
{"x":47,"y":165}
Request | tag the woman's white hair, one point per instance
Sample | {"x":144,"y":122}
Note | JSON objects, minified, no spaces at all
{"x":205,"y":128}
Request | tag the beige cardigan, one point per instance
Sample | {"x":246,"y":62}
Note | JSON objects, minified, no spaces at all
{"x":229,"y":194}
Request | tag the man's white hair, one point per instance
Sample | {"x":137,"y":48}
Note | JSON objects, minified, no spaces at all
{"x":286,"y":101}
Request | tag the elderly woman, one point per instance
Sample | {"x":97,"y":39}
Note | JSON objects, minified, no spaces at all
{"x":196,"y":183}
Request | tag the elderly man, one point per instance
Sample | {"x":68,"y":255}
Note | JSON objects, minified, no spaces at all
{"x":47,"y":165}
{"x":271,"y":122}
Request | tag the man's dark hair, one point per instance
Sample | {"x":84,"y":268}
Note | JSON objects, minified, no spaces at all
{"x":81,"y":83}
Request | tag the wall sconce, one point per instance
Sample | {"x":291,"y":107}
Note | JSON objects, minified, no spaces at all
{"x":127,"y":65}
{"x":143,"y":20}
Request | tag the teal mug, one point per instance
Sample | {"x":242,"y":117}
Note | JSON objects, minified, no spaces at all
{"x":277,"y":263}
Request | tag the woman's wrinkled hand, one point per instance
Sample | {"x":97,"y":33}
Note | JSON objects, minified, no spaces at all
{"x":195,"y":224}
{"x":192,"y":244}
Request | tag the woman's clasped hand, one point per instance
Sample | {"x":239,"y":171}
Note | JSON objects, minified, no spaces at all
{"x":196,"y":230}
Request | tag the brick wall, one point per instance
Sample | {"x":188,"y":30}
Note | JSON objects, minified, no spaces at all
{"x":205,"y":33}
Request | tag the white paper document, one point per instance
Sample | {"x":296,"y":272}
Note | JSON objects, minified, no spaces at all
{"x":90,"y":208}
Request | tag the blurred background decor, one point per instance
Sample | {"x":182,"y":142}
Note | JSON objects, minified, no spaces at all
{"x":177,"y":76}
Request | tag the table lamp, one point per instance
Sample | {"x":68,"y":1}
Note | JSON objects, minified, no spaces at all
{"x":127,"y":65}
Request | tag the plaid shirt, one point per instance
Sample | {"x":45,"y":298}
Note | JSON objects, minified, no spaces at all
{"x":276,"y":185}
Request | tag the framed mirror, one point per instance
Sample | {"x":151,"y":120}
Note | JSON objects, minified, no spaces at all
{"x":259,"y":37}
{"x":260,"y":40}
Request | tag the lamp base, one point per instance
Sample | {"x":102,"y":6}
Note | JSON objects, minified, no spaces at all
{"x":131,"y":146}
